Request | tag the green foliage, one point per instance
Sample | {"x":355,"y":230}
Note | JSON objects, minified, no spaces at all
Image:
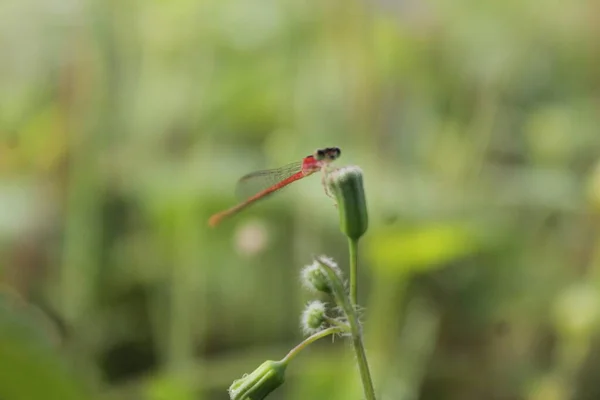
{"x":30,"y":365}
{"x":397,"y":250}
{"x":124,"y":126}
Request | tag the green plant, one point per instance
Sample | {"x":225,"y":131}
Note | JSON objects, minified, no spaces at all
{"x":324,"y":275}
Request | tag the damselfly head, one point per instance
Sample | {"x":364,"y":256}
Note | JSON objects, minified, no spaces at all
{"x":327,"y":154}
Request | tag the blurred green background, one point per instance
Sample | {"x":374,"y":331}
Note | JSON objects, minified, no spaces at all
{"x":125,"y":124}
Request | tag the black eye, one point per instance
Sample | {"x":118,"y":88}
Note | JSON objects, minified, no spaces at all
{"x":333,"y":153}
{"x":320,"y":153}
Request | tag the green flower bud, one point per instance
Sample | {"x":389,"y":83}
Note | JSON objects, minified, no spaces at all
{"x":346,"y":184}
{"x":315,"y":278}
{"x":262,"y":381}
{"x":313,"y":317}
{"x":333,"y":274}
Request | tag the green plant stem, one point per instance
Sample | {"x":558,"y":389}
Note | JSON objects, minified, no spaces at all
{"x":353,"y":247}
{"x":342,"y":325}
{"x":361,"y":357}
{"x":313,"y":338}
{"x":343,"y":300}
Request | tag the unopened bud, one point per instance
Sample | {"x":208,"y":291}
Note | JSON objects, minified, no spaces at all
{"x":346,"y":184}
{"x":258,"y":384}
{"x":316,"y":279}
{"x":313,"y":317}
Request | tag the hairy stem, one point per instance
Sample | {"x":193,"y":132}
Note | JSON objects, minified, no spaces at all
{"x":353,"y":246}
{"x":313,"y":338}
{"x":361,"y":358}
{"x":344,"y":327}
{"x":343,"y":300}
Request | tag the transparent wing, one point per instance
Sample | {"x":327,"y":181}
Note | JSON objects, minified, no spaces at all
{"x":258,"y":181}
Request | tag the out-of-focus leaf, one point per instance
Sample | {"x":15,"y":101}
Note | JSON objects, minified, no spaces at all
{"x":420,"y":248}
{"x":170,"y":387}
{"x":549,"y":133}
{"x":30,"y":368}
{"x":577,"y":311}
{"x":43,"y":138}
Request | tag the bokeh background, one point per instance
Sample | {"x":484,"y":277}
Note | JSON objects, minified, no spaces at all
{"x":125,"y":124}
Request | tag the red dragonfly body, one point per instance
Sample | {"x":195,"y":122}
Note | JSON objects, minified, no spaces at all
{"x":277,"y":179}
